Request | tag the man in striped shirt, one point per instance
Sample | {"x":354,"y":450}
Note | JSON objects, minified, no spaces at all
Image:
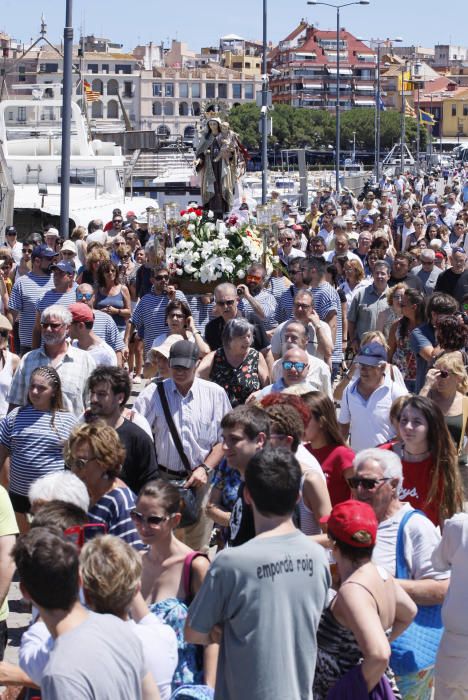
{"x":26,"y":292}
{"x":148,"y":316}
{"x":300,"y":277}
{"x":197,"y":408}
{"x":72,"y":364}
{"x":256,"y":304}
{"x":63,"y":293}
{"x":104,"y":325}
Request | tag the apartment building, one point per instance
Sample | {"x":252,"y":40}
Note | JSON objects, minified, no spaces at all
{"x":307,"y":60}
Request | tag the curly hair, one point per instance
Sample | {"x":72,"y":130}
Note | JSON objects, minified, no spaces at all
{"x":451,"y":334}
{"x":298,"y":403}
{"x":285,"y":420}
{"x":98,"y":254}
{"x":103,"y":441}
{"x":106,"y":266}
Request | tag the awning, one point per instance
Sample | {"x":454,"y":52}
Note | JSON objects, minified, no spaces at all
{"x":364,"y":103}
{"x":365,"y":88}
{"x":343,"y":71}
{"x":312,"y":86}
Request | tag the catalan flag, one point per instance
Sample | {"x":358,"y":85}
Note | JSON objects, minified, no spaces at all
{"x":91,"y":95}
{"x":409,"y":111}
{"x":426,"y":118}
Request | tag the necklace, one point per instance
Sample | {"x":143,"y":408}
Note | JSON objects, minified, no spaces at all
{"x":414,"y":454}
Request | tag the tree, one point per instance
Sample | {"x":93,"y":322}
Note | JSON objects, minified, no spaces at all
{"x":300,"y":127}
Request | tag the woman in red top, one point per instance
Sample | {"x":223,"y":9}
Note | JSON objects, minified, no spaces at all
{"x":324,"y":440}
{"x":431,"y":478}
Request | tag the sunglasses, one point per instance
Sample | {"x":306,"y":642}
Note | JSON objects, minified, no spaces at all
{"x":80,"y":534}
{"x":117,"y":221}
{"x":254,"y":278}
{"x":27,"y":250}
{"x":86,"y":295}
{"x":161,"y":278}
{"x":151,"y":520}
{"x":54,"y":326}
{"x":299,"y":305}
{"x":228,"y":303}
{"x":298,"y":366}
{"x":4,"y":333}
{"x":366,"y":483}
{"x":444,"y":373}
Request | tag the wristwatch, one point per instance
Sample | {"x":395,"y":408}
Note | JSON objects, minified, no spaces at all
{"x":205,"y":467}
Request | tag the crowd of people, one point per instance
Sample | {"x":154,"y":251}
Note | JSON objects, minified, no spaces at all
{"x":280,"y":512}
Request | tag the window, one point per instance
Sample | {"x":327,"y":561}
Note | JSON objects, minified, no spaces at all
{"x":123,"y":68}
{"x":157,"y":109}
{"x":157,"y":89}
{"x":183,"y":109}
{"x":196,"y":90}
{"x":237,"y":91}
{"x":128,"y":89}
{"x":210,"y":90}
{"x":168,"y":109}
{"x":48,"y":67}
{"x":21,"y":74}
{"x":105,"y":68}
{"x":454,"y":110}
{"x":93,"y":68}
{"x":248,"y":91}
{"x":21,"y":114}
{"x":465,"y":110}
{"x":222,"y":91}
{"x":169,"y":89}
{"x":183,"y":90}
{"x":237,"y":65}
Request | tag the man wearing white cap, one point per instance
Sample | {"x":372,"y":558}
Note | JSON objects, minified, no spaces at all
{"x":51,"y":236}
{"x":68,"y":252}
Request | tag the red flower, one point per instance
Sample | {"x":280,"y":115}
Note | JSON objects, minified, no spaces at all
{"x":198,"y":212}
{"x":182,"y":212}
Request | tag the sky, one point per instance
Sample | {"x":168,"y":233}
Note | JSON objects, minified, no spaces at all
{"x":417,"y":22}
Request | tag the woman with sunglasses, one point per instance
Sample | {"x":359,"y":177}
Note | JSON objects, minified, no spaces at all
{"x":447,"y":385}
{"x":172,"y":575}
{"x":95,"y":454}
{"x":112,"y":297}
{"x":431,"y":477}
{"x":33,"y":437}
{"x":412,"y":305}
{"x":179,"y":321}
{"x":369,"y":609}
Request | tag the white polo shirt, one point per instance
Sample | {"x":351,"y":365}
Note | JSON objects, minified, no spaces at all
{"x":369,"y":419}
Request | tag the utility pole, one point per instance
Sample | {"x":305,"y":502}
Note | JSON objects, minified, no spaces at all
{"x":264,"y":108}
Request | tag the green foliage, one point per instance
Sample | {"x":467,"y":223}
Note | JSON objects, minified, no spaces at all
{"x":299,"y":127}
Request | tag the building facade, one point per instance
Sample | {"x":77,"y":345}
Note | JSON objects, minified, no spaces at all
{"x":307,"y":61}
{"x":173,"y":99}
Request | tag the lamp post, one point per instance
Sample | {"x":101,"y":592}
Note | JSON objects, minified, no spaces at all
{"x":264,"y":108}
{"x":337,"y":110}
{"x":378,"y":43}
{"x":66,"y":121}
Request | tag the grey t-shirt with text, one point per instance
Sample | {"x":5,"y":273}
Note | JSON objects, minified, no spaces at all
{"x":268,"y":594}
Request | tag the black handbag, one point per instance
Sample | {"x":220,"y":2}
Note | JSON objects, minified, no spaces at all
{"x":190,"y":505}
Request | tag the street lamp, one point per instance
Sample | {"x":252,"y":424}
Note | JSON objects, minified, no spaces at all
{"x":338,"y":125}
{"x":264,"y":110}
{"x":378,"y":99}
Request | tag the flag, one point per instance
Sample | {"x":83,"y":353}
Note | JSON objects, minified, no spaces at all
{"x":409,"y":111}
{"x":381,"y":105}
{"x":426,"y":118}
{"x":91,"y":95}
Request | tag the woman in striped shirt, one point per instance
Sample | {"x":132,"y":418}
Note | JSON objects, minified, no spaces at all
{"x":95,"y":454}
{"x":33,"y":436}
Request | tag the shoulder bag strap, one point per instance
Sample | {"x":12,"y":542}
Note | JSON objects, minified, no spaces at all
{"x":172,"y":428}
{"x":401,"y":565}
{"x":187,"y":572}
{"x":464,"y":420}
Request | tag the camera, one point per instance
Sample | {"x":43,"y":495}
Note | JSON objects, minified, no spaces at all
{"x":240,"y":292}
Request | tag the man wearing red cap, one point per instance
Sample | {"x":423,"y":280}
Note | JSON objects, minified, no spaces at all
{"x":81,"y":332}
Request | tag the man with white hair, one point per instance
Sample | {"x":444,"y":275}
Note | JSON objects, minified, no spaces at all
{"x":72,"y":364}
{"x":58,"y":486}
{"x":366,"y":402}
{"x":378,"y":475}
{"x":427,"y":270}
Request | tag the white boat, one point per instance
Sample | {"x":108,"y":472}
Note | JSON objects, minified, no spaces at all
{"x":30,"y":136}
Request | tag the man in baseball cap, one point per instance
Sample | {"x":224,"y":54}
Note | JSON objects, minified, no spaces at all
{"x":353,"y":523}
{"x":81,"y":331}
{"x":15,"y":248}
{"x":183,"y":354}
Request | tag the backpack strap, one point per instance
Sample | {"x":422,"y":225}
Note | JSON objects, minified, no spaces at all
{"x":401,"y":567}
{"x":173,"y":430}
{"x":187,"y":573}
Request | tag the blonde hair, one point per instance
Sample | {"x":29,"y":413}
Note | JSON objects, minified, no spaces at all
{"x":78,"y":233}
{"x":111,"y":573}
{"x":374,"y":336}
{"x":104,"y":443}
{"x":97,"y":254}
{"x":454,"y":362}
{"x":356,"y":267}
{"x":401,"y":286}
